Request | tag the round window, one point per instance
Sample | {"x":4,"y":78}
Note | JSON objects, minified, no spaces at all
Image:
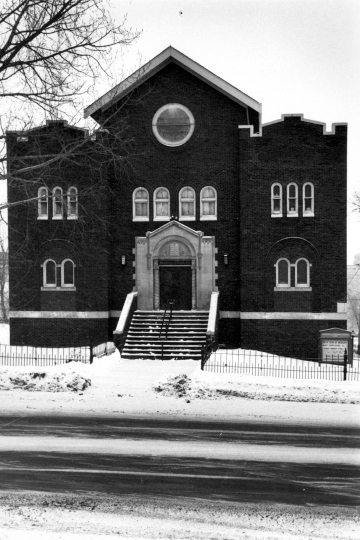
{"x":173,"y":124}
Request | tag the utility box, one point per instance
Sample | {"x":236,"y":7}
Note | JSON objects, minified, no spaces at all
{"x":336,"y":346}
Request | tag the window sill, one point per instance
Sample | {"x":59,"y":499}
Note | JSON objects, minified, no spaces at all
{"x":187,"y":218}
{"x":140,"y":219}
{"x":162,"y":218}
{"x":292,"y":214}
{"x":208,"y":218}
{"x":51,"y":289}
{"x":299,"y":289}
{"x":57,"y":217}
{"x":42,"y":218}
{"x":276,"y":215}
{"x":72,"y":217}
{"x":308,"y":214}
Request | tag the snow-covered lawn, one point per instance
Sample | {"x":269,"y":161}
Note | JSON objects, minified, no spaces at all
{"x":261,"y":363}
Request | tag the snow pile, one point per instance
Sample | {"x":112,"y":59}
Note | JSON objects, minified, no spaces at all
{"x":215,"y":386}
{"x":43,"y":381}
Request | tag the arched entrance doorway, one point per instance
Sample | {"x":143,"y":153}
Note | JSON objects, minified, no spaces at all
{"x":174,"y":262}
{"x":175,"y":276}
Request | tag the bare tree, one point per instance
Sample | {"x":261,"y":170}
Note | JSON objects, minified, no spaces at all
{"x":52,"y":52}
{"x":51,"y":56}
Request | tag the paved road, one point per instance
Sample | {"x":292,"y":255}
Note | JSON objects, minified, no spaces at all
{"x":208,"y":460}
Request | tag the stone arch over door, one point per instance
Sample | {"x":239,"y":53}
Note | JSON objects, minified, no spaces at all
{"x":174,"y":244}
{"x":175,"y":274}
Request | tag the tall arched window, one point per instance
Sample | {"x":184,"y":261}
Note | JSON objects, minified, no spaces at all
{"x":308,"y":200}
{"x":283,"y":273}
{"x":292,"y":200}
{"x":43,"y":203}
{"x":208,"y":203}
{"x":276,"y":200}
{"x":49,"y":273}
{"x":161,"y":204}
{"x":141,"y":205}
{"x":72,"y":203}
{"x":67,"y":273}
{"x":302,"y":273}
{"x":57,"y":203}
{"x":187,"y":204}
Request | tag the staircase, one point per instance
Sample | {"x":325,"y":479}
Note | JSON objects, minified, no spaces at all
{"x":185,"y":338}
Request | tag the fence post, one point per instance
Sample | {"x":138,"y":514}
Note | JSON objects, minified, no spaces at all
{"x":345,"y":364}
{"x":91,"y":354}
{"x":162,"y":351}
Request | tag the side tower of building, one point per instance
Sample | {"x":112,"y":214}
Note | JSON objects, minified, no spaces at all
{"x":58,"y":252}
{"x":293,"y":234}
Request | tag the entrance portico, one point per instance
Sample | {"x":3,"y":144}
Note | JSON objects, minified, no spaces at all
{"x":174,"y":262}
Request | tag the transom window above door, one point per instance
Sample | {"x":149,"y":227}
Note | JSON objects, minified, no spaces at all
{"x":173,"y":124}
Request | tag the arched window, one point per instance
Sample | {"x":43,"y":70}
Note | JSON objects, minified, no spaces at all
{"x":208,"y":203}
{"x":161,"y":204}
{"x":302,"y":273}
{"x":141,"y":205}
{"x":308,"y":200}
{"x":276,"y":200}
{"x":67,"y":273}
{"x":57,"y":203}
{"x":187,"y":204}
{"x":283,"y":273}
{"x":43,"y":204}
{"x":292,"y":200}
{"x":72,"y":203}
{"x":49,"y":273}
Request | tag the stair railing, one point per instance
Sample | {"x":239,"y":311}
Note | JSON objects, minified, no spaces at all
{"x":169,"y":309}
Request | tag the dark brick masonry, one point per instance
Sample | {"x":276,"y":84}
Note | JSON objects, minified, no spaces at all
{"x":241,"y":167}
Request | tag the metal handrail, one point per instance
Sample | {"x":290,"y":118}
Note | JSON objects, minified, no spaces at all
{"x":171,"y":303}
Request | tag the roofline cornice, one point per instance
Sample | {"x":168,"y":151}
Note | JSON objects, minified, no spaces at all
{"x":153,"y":66}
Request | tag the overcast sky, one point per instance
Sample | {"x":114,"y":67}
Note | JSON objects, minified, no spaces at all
{"x":293,"y":56}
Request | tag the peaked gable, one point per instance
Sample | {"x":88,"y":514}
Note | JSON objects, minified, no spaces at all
{"x":154,"y":66}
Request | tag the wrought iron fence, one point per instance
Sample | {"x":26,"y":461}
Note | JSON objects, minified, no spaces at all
{"x":260,"y":363}
{"x":15,"y":355}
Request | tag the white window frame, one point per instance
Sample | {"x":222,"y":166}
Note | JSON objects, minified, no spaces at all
{"x":63,"y":284}
{"x":182,"y":199}
{"x":308,"y":213}
{"x":283,"y":285}
{"x":308,"y":265}
{"x":208,"y":217}
{"x":42,"y":201}
{"x":156,"y":217}
{"x":141,"y":218}
{"x":293,"y":213}
{"x":69,"y":215}
{"x":157,"y":134}
{"x":45,"y":284}
{"x":55,"y":215}
{"x":276,"y":213}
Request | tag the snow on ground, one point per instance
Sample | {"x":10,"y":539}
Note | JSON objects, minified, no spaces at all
{"x":120,"y":386}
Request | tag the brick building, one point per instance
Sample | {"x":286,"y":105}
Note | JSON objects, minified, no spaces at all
{"x":208,"y":199}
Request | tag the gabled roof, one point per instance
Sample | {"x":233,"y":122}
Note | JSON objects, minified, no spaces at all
{"x":156,"y":64}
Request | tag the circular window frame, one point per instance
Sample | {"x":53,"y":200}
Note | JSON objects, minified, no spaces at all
{"x":157,"y":134}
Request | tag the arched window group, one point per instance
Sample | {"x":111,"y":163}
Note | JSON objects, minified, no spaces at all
{"x":58,"y":275}
{"x":63,"y":204}
{"x":292,"y":200}
{"x":186,"y":204}
{"x":298,"y":278}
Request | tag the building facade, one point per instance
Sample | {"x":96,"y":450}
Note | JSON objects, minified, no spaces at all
{"x":183,"y":192}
